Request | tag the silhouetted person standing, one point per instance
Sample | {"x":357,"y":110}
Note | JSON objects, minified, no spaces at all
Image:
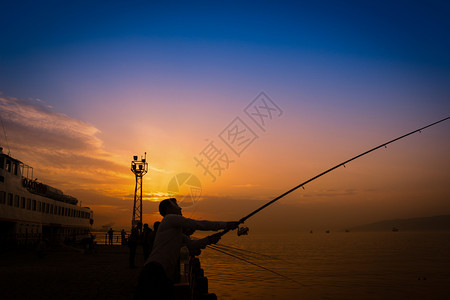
{"x":110,"y":236}
{"x":160,"y":270}
{"x":146,"y":232}
{"x":123,"y":236}
{"x":132,"y":244}
{"x":153,"y":235}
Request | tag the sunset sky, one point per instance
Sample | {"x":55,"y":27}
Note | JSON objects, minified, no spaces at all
{"x":86,"y":85}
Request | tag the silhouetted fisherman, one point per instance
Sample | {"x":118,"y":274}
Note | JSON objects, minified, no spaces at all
{"x":132,"y":244}
{"x":160,"y":270}
{"x":110,"y":236}
{"x":146,"y":240}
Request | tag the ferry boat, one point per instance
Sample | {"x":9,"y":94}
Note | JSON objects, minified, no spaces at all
{"x":31,"y":211}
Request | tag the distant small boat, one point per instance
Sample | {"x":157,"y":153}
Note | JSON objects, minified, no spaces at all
{"x":327,"y":231}
{"x":310,"y":231}
{"x":394,"y":229}
{"x":346,"y":230}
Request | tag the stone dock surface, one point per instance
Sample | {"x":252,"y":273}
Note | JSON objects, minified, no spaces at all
{"x":68,"y":273}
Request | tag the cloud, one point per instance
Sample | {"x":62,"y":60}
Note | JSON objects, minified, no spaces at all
{"x":62,"y":149}
{"x":31,"y":120}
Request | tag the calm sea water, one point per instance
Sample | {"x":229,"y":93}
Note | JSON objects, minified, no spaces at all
{"x":369,"y":265}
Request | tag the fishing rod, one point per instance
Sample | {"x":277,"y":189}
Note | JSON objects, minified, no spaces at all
{"x":331,"y":169}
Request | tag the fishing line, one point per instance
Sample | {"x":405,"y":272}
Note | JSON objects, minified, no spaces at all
{"x":242,"y":253}
{"x":252,"y":263}
{"x":236,"y":250}
{"x":331,"y":169}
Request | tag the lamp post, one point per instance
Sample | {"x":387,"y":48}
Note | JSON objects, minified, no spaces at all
{"x":139,"y":167}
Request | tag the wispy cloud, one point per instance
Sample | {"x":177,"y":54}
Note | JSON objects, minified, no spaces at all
{"x":37,"y":123}
{"x":61,"y":148}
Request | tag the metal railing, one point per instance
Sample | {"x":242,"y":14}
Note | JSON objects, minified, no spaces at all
{"x":103,"y":238}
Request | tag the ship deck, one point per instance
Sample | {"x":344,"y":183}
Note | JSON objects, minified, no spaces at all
{"x":67,"y":273}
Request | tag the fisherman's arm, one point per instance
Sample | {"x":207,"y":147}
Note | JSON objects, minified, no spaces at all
{"x":187,"y":223}
{"x":197,"y":244}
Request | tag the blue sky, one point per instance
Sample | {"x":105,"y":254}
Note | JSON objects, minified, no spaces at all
{"x":171,"y":43}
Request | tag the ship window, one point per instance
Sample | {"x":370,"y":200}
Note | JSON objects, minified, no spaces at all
{"x":62,"y":211}
{"x":2,"y":179}
{"x":34,"y":205}
{"x":15,"y":168}
{"x":47,"y":207}
{"x":2,"y":197}
{"x":10,"y":199}
{"x":28,"y":203}
{"x":2,"y":162}
{"x":8,"y":165}
{"x":16,"y":201}
{"x":22,"y":202}
{"x":59,"y":211}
